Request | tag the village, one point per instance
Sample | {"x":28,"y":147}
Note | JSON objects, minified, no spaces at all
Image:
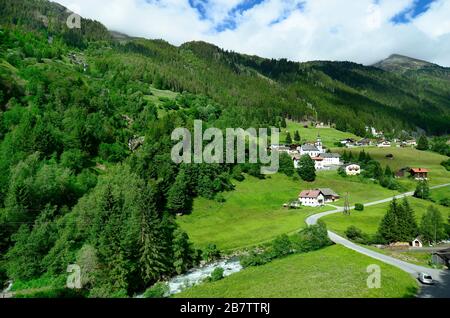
{"x":324,"y":159}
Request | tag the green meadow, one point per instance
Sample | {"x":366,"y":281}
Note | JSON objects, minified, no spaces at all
{"x":409,"y":157}
{"x":369,"y":219}
{"x":329,"y":135}
{"x":253,"y":213}
{"x":334,"y":272}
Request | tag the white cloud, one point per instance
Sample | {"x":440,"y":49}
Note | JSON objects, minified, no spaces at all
{"x":359,"y":31}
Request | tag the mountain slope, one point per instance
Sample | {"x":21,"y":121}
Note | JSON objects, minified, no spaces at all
{"x":257,"y":91}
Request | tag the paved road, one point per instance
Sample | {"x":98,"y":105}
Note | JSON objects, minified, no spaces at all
{"x":442,"y":287}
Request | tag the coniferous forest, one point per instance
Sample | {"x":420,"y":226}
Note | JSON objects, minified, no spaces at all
{"x":85,"y":168}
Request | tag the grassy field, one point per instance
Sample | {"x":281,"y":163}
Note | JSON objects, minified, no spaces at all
{"x":253,"y":212}
{"x":329,"y":135}
{"x":359,"y":190}
{"x":415,"y":257}
{"x":334,"y":272}
{"x":155,"y":98}
{"x":409,"y":157}
{"x":369,"y":219}
{"x":439,"y":194}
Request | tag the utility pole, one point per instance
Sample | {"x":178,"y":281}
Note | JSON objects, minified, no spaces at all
{"x":346,"y":205}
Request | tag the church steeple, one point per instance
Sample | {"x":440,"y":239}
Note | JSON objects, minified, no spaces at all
{"x":319,"y":144}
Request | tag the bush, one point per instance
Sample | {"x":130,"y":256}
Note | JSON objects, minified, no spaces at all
{"x":359,"y":207}
{"x":217,"y":274}
{"x":312,"y":238}
{"x":281,"y":246}
{"x":355,"y":234}
{"x":445,"y":202}
{"x":255,"y":259}
{"x":211,"y":253}
{"x":159,"y":290}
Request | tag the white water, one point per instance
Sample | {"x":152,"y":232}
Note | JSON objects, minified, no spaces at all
{"x":197,"y":275}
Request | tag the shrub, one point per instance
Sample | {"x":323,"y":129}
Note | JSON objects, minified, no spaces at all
{"x":217,"y":274}
{"x":312,"y":238}
{"x":359,"y":207}
{"x":255,"y":259}
{"x":211,"y":253}
{"x":281,"y":246}
{"x":355,"y":234}
{"x":159,"y":290}
{"x":445,"y":202}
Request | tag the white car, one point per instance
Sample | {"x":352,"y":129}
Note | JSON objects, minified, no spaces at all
{"x":426,"y":279}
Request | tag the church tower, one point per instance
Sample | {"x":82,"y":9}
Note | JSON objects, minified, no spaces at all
{"x":319,"y":144}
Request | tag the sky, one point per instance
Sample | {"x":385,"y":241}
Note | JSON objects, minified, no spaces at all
{"x":362,"y":31}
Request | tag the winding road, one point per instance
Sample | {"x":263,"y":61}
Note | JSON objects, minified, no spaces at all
{"x":441,"y":289}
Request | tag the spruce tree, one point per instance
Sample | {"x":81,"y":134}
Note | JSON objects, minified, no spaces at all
{"x":388,"y":228}
{"x":423,"y":144}
{"x":288,"y":138}
{"x":408,"y":222}
{"x":297,"y":137}
{"x":388,"y":172}
{"x":183,"y":254}
{"x":432,"y":226}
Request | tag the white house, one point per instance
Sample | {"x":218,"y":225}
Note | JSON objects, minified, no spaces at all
{"x":331,"y":159}
{"x":384,"y":144}
{"x":318,"y":163}
{"x":353,"y":170}
{"x":313,"y":198}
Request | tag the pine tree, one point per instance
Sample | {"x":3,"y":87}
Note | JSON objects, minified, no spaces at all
{"x":388,"y":172}
{"x":297,"y":137}
{"x":432,"y":226}
{"x":422,"y":190}
{"x":423,"y":144}
{"x":307,"y":169}
{"x":154,"y":250}
{"x":408,"y":222}
{"x":178,"y":199}
{"x":286,"y":165}
{"x":362,"y":157}
{"x":288,"y":138}
{"x":183,"y":254}
{"x":388,"y":228}
{"x":345,"y":157}
{"x":283,"y":123}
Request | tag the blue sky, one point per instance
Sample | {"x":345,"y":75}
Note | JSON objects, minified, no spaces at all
{"x":362,"y":31}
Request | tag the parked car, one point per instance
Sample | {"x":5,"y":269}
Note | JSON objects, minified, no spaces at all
{"x":426,"y":279}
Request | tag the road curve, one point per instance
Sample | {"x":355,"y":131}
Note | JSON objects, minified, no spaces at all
{"x":441,"y":289}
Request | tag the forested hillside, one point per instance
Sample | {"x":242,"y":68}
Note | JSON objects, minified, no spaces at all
{"x":85,"y":169}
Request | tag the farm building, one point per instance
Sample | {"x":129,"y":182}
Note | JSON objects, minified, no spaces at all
{"x":419,"y":173}
{"x":313,"y":198}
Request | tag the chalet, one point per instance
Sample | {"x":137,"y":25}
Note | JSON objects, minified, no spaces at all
{"x":384,"y":144}
{"x":409,"y":143}
{"x":353,"y":170}
{"x":364,"y":142}
{"x":331,"y":159}
{"x":402,"y":172}
{"x":313,"y":198}
{"x":419,"y":173}
{"x":329,"y":195}
{"x":347,"y":141}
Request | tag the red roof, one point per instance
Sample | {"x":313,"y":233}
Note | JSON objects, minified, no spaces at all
{"x":310,"y":194}
{"x":317,"y":159}
{"x":419,"y":170}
